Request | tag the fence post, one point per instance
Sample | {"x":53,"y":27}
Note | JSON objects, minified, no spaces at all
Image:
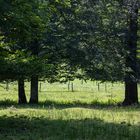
{"x":7,"y":85}
{"x":68,"y":85}
{"x":40,"y":86}
{"x":105,"y":87}
{"x":98,"y":86}
{"x":72,"y":88}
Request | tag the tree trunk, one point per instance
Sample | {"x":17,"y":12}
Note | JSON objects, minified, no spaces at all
{"x":34,"y":78}
{"x":131,"y":91}
{"x":21,"y":92}
{"x":34,"y":90}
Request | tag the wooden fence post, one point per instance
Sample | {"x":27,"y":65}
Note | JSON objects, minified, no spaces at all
{"x":72,"y":88}
{"x":7,"y":85}
{"x":40,"y":85}
{"x":105,"y":87}
{"x":98,"y":86}
{"x":69,"y":86}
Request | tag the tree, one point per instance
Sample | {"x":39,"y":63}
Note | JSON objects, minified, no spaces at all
{"x":19,"y":24}
{"x":131,"y":89}
{"x":110,"y":43}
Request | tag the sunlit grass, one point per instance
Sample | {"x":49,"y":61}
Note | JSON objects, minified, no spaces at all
{"x":86,"y":93}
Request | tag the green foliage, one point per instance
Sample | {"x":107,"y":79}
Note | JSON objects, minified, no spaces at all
{"x":22,"y":25}
{"x":104,"y":28}
{"x":19,"y":20}
{"x":62,"y":40}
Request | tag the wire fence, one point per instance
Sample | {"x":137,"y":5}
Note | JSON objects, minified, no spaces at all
{"x":71,"y":86}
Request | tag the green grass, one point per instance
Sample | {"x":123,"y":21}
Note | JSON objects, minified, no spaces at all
{"x":87,"y":93}
{"x":85,"y":114}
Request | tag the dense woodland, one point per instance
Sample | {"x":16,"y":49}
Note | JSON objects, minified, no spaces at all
{"x":60,"y":41}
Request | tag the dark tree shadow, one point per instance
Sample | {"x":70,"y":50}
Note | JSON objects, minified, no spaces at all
{"x":49,"y":104}
{"x":39,"y":128}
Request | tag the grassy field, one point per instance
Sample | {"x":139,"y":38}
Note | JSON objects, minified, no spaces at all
{"x":88,"y":113}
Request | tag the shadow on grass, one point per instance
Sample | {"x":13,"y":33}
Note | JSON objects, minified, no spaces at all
{"x":39,"y":128}
{"x":58,"y":104}
{"x":49,"y":104}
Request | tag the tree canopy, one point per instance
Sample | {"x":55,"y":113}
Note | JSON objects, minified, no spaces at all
{"x":63,"y":40}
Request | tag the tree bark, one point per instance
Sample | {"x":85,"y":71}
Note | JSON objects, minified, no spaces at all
{"x":34,"y":78}
{"x":131,"y":90}
{"x":21,"y":92}
{"x":34,"y":90}
{"x":131,"y":93}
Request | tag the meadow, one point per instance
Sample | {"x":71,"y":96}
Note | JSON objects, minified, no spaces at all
{"x":86,"y":111}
